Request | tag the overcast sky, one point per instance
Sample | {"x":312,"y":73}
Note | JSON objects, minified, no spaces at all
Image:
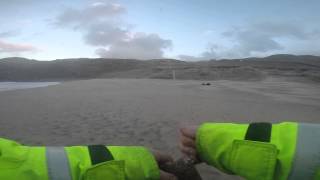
{"x":146,"y":29}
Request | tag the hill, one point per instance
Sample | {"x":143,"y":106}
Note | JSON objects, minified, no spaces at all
{"x":282,"y":65}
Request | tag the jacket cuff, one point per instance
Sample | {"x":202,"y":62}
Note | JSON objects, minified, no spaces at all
{"x":214,"y":142}
{"x":139,"y":162}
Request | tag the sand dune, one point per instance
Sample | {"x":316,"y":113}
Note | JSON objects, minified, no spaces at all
{"x":303,"y":68}
{"x":147,"y":112}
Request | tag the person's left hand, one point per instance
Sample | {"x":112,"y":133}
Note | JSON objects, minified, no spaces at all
{"x":161,"y":159}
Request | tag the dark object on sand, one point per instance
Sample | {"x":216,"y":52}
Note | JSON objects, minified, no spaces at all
{"x":206,"y":84}
{"x":183,"y":169}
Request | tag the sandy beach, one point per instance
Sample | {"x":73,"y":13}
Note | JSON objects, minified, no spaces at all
{"x":148,"y":112}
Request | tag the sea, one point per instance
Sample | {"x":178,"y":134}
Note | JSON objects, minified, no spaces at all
{"x":7,"y":86}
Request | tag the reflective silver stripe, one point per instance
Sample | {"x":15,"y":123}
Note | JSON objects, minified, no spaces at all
{"x":58,"y":164}
{"x":307,"y":156}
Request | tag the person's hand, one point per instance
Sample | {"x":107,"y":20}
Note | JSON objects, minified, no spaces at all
{"x":161,"y":159}
{"x":188,"y":143}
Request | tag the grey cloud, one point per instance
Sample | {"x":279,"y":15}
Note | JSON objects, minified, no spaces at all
{"x":210,"y":53}
{"x":6,"y":47}
{"x":8,"y":6}
{"x":246,"y":45}
{"x":104,"y":34}
{"x":275,"y":29}
{"x":140,"y":46}
{"x":254,"y":41}
{"x":96,"y":12}
{"x":12,"y":3}
{"x":281,"y":29}
{"x":228,"y":33}
{"x":315,"y":34}
{"x":263,"y":38}
{"x":10,"y":33}
{"x":101,"y":26}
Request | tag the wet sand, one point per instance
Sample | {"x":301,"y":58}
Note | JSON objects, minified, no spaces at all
{"x":147,"y":112}
{"x":8,"y":86}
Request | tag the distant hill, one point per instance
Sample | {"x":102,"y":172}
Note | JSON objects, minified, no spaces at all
{"x":282,"y":65}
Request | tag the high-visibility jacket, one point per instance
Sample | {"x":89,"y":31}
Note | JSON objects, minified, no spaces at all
{"x":95,"y":162}
{"x":262,"y":151}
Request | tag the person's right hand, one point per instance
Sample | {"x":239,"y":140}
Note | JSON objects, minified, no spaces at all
{"x":188,"y":143}
{"x":161,"y":159}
